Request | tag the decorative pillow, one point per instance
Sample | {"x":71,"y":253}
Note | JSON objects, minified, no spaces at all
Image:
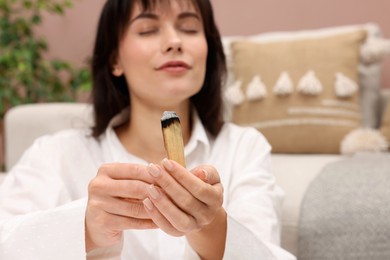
{"x":301,"y":94}
{"x":372,"y":52}
{"x":385,"y":125}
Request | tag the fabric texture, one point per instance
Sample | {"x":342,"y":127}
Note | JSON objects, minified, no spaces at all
{"x":294,"y":173}
{"x":345,"y":212}
{"x":313,"y":118}
{"x":48,"y":187}
{"x":385,"y":124}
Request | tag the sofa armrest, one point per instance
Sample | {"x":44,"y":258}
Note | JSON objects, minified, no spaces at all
{"x":2,"y":176}
{"x":34,"y":120}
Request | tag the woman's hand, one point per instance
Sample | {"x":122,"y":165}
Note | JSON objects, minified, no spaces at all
{"x":189,"y":203}
{"x":115,"y":198}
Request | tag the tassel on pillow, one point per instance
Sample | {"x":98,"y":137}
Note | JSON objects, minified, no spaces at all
{"x":284,"y":85}
{"x":374,"y":50}
{"x":256,"y":89}
{"x":309,"y":84}
{"x":344,"y":86}
{"x":363,"y":140}
{"x":234,"y":94}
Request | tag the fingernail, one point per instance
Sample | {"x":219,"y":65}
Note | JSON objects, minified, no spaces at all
{"x":205,"y":177}
{"x":153,"y":170}
{"x":154,"y":192}
{"x":167,"y":164}
{"x":148,"y":204}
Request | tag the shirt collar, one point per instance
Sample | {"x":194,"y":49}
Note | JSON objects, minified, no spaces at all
{"x":199,"y":140}
{"x":198,"y":137}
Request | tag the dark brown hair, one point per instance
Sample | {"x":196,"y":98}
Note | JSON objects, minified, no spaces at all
{"x":110,"y":94}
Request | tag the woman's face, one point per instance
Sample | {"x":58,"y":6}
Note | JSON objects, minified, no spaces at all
{"x":163,"y":55}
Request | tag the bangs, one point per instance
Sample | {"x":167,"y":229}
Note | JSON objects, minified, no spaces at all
{"x":151,"y":5}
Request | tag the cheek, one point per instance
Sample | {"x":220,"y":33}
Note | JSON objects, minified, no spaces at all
{"x":200,"y":75}
{"x":131,"y":58}
{"x":199,"y":52}
{"x":133,"y":53}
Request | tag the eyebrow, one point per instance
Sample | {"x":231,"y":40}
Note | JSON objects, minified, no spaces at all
{"x":189,"y":14}
{"x":144,"y":16}
{"x":153,"y":16}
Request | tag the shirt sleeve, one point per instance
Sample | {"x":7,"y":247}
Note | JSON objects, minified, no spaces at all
{"x":38,"y":217}
{"x":241,"y":243}
{"x":253,"y":203}
{"x":51,"y":234}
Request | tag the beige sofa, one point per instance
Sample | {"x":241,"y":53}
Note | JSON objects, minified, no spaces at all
{"x":294,"y":171}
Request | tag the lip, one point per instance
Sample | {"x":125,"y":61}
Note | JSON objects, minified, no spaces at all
{"x":174,"y":66}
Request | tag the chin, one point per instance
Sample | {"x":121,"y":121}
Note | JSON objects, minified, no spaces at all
{"x":183,"y":90}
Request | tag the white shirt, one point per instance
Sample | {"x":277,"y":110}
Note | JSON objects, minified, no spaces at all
{"x":43,"y":198}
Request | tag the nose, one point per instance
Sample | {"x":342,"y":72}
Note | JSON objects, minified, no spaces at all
{"x":172,"y":42}
{"x":174,"y":46}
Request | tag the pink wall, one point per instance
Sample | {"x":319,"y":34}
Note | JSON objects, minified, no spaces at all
{"x":256,"y":16}
{"x":71,"y":37}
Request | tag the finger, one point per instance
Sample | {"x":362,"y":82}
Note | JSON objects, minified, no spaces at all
{"x":122,"y":207}
{"x":125,"y":223}
{"x":207,"y":174}
{"x":114,"y":223}
{"x":204,"y":192}
{"x":159,"y":219}
{"x":201,"y":174}
{"x":118,"y":188}
{"x":104,"y":184}
{"x":187,"y":198}
{"x":125,"y":171}
{"x":179,"y":219}
{"x":105,"y":229}
{"x":178,"y":194}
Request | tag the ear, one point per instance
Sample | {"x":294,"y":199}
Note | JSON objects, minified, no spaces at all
{"x":117,"y":70}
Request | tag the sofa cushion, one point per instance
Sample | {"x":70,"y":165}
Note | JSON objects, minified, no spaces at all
{"x":372,"y":52}
{"x":344,"y":213}
{"x":301,"y":94}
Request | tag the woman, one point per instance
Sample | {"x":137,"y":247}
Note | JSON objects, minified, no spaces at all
{"x":109,"y":192}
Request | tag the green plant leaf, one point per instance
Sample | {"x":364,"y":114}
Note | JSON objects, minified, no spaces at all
{"x":25,"y":74}
{"x":27,"y":4}
{"x":36,"y":19}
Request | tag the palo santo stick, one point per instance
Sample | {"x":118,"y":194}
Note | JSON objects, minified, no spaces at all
{"x":173,"y":137}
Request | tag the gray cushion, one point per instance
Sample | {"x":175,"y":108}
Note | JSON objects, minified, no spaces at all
{"x":345,"y":211}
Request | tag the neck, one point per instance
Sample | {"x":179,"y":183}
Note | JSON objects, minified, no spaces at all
{"x":142,"y":135}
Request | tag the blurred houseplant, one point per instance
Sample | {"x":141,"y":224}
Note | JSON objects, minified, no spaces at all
{"x":26,"y":76}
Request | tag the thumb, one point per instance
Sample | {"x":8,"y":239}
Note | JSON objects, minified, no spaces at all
{"x":206,"y":173}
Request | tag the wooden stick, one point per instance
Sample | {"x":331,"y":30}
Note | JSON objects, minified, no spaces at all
{"x":173,"y":137}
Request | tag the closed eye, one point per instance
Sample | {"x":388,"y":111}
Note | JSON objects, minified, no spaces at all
{"x":148,"y":32}
{"x":190,"y":31}
{"x":189,"y":23}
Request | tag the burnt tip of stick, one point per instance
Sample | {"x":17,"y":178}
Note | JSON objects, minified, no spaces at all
{"x":168,"y":118}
